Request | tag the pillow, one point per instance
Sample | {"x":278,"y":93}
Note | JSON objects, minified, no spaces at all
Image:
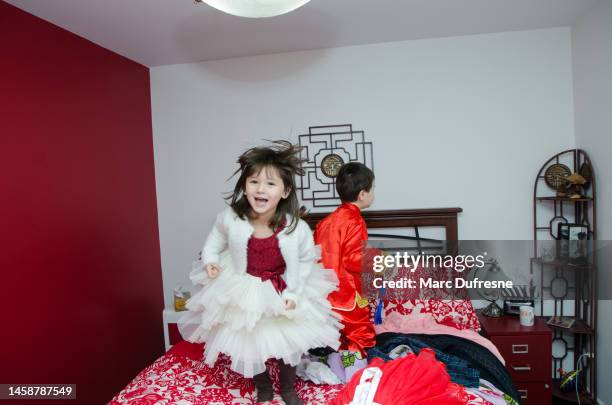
{"x":458,"y":314}
{"x":450,"y":307}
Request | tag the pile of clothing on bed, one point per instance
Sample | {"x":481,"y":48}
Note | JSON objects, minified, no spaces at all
{"x":459,"y":359}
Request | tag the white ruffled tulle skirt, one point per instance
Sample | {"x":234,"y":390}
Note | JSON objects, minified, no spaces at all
{"x":245,"y":318}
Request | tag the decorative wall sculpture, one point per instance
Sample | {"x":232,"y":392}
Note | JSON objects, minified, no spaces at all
{"x":324,"y":150}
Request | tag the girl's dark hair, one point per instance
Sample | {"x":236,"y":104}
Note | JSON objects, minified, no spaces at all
{"x":284,"y":157}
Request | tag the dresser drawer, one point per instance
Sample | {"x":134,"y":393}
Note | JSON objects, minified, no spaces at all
{"x":535,"y":393}
{"x":528,"y":358}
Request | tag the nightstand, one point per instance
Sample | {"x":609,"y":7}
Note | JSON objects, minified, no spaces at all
{"x":171,"y":332}
{"x":527,"y":351}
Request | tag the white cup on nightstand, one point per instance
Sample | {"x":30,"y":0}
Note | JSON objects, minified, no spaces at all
{"x":527,"y":316}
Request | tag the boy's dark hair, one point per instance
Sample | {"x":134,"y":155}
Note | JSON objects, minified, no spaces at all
{"x":284,"y":157}
{"x":352,"y":178}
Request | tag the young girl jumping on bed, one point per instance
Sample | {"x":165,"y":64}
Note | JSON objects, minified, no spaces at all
{"x":263,"y":296}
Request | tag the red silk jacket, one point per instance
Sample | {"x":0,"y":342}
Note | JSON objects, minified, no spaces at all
{"x":342,"y":236}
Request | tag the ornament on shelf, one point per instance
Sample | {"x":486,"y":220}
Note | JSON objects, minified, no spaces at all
{"x":574,"y":185}
{"x":555,"y":176}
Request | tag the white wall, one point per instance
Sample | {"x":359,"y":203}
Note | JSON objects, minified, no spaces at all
{"x":462,"y":121}
{"x":592,"y":59}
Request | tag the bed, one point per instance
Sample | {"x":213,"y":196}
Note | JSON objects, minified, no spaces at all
{"x":179,"y":376}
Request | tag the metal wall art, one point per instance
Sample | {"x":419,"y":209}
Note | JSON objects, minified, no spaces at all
{"x":324,"y":150}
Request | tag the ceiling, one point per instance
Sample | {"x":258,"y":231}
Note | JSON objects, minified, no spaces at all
{"x":163,"y":32}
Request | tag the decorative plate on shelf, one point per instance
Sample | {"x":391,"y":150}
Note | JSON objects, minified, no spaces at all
{"x":555,"y":175}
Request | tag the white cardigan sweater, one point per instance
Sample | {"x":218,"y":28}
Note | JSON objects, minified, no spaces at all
{"x":232,"y":233}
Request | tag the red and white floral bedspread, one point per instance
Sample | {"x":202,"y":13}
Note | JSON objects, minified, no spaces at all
{"x":180,"y":377}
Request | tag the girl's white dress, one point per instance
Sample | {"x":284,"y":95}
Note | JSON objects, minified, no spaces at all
{"x":244,"y":317}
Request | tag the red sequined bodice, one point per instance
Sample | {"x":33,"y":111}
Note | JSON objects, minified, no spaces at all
{"x":265,"y":260}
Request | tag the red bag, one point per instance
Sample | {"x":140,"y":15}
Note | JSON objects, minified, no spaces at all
{"x":415,"y":380}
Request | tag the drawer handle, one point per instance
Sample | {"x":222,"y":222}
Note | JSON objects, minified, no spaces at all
{"x":523,"y":394}
{"x":526,"y":367}
{"x":520,"y":349}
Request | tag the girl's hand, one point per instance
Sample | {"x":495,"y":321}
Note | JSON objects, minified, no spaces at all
{"x":289,"y":304}
{"x":213,"y":269}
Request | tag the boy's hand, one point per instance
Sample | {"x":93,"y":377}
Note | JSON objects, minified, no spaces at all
{"x":289,"y":304}
{"x":213,"y":269}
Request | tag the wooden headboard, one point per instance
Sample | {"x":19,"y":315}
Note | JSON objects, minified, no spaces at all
{"x":415,"y":218}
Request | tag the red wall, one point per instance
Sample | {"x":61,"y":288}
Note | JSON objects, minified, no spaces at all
{"x":81,"y":274}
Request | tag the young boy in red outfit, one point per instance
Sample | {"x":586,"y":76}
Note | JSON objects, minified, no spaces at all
{"x":342,"y":236}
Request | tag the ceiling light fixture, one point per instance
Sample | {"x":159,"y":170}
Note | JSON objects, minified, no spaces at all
{"x":255,"y":8}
